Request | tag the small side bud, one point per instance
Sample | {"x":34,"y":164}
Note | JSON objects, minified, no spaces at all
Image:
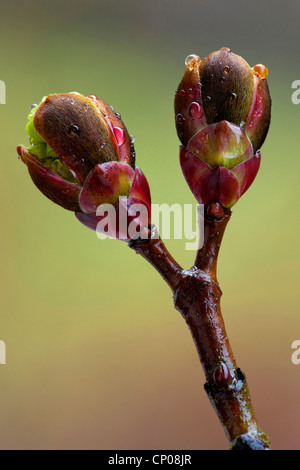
{"x":221,"y":375}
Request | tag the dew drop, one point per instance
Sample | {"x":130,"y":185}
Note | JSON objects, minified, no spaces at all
{"x":180,"y":119}
{"x":132,"y":139}
{"x":242,"y":123}
{"x":233,"y":95}
{"x":195,"y":110}
{"x":226,"y":49}
{"x":208,"y":98}
{"x":112,"y":108}
{"x":120,"y":135}
{"x":93,"y":97}
{"x":73,"y":129}
{"x":192,"y":61}
{"x":261,"y":70}
{"x":257,"y":113}
{"x":32,"y":106}
{"x":226,"y":69}
{"x":118,"y":115}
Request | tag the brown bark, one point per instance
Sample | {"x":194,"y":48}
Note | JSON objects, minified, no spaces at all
{"x":197,"y":297}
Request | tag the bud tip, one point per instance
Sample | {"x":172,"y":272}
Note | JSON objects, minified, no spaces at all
{"x":192,"y":61}
{"x":261,"y":71}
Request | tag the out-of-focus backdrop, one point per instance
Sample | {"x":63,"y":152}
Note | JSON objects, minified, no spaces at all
{"x":97,"y":357}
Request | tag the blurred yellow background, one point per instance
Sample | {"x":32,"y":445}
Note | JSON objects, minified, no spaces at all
{"x":97,"y":357}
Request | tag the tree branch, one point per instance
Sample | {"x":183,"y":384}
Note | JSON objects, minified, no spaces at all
{"x":197,"y":297}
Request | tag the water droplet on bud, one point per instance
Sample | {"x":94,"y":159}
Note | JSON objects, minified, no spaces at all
{"x":208,"y":98}
{"x":32,"y":106}
{"x":226,"y":69}
{"x":93,"y":97}
{"x":233,"y":95}
{"x":120,"y":135}
{"x":226,"y":49}
{"x":73,"y":129}
{"x":192,"y":61}
{"x":261,"y":70}
{"x":132,"y":139}
{"x":180,"y":119}
{"x":195,"y":110}
{"x":118,"y":115}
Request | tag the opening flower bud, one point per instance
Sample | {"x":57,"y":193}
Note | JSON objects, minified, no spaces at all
{"x":81,"y":155}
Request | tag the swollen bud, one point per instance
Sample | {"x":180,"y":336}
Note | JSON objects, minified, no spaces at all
{"x":81,"y":156}
{"x":222,"y":114}
{"x":223,"y":87}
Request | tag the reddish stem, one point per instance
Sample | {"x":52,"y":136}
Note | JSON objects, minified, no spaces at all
{"x":155,"y":252}
{"x":197,"y":297}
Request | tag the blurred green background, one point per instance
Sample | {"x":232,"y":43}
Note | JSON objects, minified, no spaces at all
{"x":97,"y":357}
